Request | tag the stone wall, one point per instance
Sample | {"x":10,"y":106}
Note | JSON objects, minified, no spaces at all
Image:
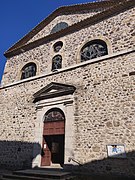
{"x":104,"y":100}
{"x":17,"y":119}
{"x":104,"y":106}
{"x":117,"y":32}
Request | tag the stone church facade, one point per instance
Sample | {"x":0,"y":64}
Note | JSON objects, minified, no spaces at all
{"x":68,"y":91}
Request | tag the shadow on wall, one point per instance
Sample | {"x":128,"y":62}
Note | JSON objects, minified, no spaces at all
{"x":16,"y":155}
{"x":108,"y":166}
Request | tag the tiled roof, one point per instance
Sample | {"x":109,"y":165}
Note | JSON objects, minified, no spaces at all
{"x":111,"y":7}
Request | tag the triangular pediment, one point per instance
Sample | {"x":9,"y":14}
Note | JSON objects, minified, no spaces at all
{"x":53,"y":90}
{"x":108,"y":8}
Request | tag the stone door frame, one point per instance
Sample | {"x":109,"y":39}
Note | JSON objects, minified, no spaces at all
{"x":65,"y":103}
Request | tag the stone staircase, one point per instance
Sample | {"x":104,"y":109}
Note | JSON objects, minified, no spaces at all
{"x":38,"y":174}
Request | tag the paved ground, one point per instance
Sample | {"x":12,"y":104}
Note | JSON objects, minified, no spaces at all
{"x":79,"y":177}
{"x":101,"y":178}
{"x":4,"y":171}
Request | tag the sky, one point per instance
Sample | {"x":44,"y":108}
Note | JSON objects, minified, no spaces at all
{"x":18,"y":17}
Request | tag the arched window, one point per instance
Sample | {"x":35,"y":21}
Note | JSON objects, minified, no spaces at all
{"x":54,"y":114}
{"x":58,"y":27}
{"x":28,"y":70}
{"x":57,"y":46}
{"x":93,"y":49}
{"x":56,"y":62}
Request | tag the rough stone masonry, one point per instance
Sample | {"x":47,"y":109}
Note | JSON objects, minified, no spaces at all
{"x":103,"y":102}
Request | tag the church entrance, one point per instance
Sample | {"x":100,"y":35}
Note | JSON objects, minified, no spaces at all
{"x":53,"y":138}
{"x":53,"y":150}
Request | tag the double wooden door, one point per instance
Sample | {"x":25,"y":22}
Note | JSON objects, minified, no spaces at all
{"x":53,"y":144}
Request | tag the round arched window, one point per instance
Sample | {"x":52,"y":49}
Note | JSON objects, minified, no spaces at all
{"x":57,"y":46}
{"x":58,"y":27}
{"x":28,"y":70}
{"x":93,"y":49}
{"x":54,"y":114}
{"x":56,"y":62}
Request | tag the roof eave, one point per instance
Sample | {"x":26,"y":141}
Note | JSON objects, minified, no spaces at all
{"x":126,"y":4}
{"x":61,"y":10}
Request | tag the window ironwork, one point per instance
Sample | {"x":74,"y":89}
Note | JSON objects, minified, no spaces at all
{"x":57,"y":46}
{"x":93,"y":49}
{"x":56,"y":62}
{"x":28,"y":71}
{"x":54,"y":114}
{"x":58,"y":27}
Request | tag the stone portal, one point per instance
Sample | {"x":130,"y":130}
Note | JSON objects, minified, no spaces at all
{"x":53,"y":138}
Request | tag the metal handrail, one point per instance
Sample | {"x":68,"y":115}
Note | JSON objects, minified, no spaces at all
{"x":71,"y":159}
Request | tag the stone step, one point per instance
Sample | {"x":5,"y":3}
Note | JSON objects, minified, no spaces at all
{"x":38,"y":174}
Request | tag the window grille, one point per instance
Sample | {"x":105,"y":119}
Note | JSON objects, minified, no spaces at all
{"x":56,"y":62}
{"x":54,"y":114}
{"x":28,"y":70}
{"x":93,"y":49}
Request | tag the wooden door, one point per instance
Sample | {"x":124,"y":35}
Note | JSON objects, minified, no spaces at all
{"x":52,"y":150}
{"x":57,"y":151}
{"x":53,"y":137}
{"x":54,"y":128}
{"x":46,"y":153}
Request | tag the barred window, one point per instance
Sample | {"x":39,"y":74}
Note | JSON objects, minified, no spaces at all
{"x":28,"y":70}
{"x":93,"y":49}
